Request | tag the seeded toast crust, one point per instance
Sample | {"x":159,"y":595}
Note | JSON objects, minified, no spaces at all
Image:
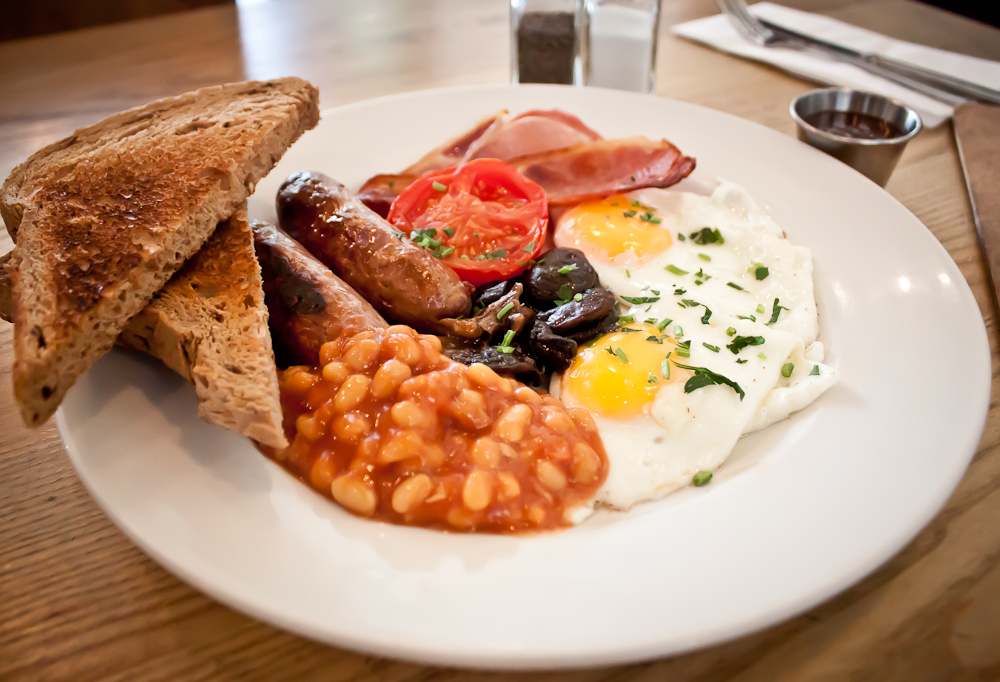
{"x":105,"y":217}
{"x":209,"y":324}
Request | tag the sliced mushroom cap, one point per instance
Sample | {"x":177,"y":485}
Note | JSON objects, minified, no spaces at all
{"x":543,"y":282}
{"x":553,"y":350}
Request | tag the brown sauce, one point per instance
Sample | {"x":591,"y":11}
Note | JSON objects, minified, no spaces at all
{"x":853,"y":124}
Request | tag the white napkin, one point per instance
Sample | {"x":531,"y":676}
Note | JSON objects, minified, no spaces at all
{"x":718,"y":32}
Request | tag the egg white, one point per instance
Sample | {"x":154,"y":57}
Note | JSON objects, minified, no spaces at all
{"x":679,"y":434}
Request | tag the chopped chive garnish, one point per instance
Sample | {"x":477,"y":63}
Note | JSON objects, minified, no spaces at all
{"x":508,"y":338}
{"x":609,"y":351}
{"x":714,"y":349}
{"x":621,"y":354}
{"x":625,"y":319}
{"x":577,"y":297}
{"x":736,"y":286}
{"x":464,"y":257}
{"x":522,"y":263}
{"x":529,"y":247}
{"x":438,"y":187}
{"x":760,"y":309}
{"x":741,"y":361}
{"x":628,"y":330}
{"x":664,"y":323}
{"x":815,"y":371}
{"x":651,"y":379}
{"x":679,"y":292}
{"x":635,"y":202}
{"x":705,"y":377}
{"x":681,"y":237}
{"x":701,"y":478}
{"x":747,"y":317}
{"x":683,"y":352}
{"x":731,"y":331}
{"x":566,"y":269}
{"x":650,"y":218}
{"x":705,"y":257}
{"x":665,"y":367}
{"x":506,"y":309}
{"x":676,"y":270}
{"x":654,"y":339}
{"x":741,"y":342}
{"x":706,"y":316}
{"x":629,"y":213}
{"x":775,"y":312}
{"x":786,"y":369}
{"x":650,"y":320}
{"x":761,"y":356}
{"x":762,"y":272}
{"x":632,"y":178}
{"x":678,"y":331}
{"x":627,"y":273}
{"x":707,"y":235}
{"x":391,"y":183}
{"x":640,"y":300}
{"x":445,"y":251}
{"x":448,"y":231}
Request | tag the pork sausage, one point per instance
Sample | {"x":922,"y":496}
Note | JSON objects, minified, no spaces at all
{"x":307,"y":305}
{"x":400,"y":279}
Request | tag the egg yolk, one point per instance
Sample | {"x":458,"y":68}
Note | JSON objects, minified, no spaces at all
{"x":612,"y":226}
{"x":621,"y":372}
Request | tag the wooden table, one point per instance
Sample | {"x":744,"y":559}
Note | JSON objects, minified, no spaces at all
{"x":78,"y":601}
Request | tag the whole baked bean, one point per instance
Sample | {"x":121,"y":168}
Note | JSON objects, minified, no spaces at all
{"x":486,"y":453}
{"x":513,"y":423}
{"x":368,"y":448}
{"x":536,"y":514}
{"x":411,"y":415}
{"x":329,"y":352}
{"x":401,"y":329}
{"x":352,"y":392}
{"x":432,"y":455}
{"x":417,"y":384}
{"x":361,"y":354}
{"x":298,"y":382}
{"x":335,"y":372}
{"x":389,"y":377}
{"x":507,"y":451}
{"x":404,"y":348}
{"x":322,"y":473}
{"x":584,"y":419}
{"x":309,"y":427}
{"x":586,"y":463}
{"x":482,"y":375}
{"x":527,"y":396}
{"x":351,"y":427}
{"x":354,"y":494}
{"x":401,"y":446}
{"x":411,"y":492}
{"x":557,"y":419}
{"x":550,"y":475}
{"x":477,"y":493}
{"x":469,"y":407}
{"x":435,"y":342}
{"x":509,"y":487}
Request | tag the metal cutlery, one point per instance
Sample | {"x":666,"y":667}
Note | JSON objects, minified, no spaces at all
{"x":931,"y":83}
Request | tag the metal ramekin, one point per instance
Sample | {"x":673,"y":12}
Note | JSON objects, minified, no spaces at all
{"x":876,"y":159}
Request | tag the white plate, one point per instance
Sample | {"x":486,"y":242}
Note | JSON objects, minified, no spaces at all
{"x":801,"y":510}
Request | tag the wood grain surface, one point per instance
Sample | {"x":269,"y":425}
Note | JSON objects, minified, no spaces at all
{"x":78,"y":601}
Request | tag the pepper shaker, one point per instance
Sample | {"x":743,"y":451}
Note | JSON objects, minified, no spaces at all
{"x":547,"y":41}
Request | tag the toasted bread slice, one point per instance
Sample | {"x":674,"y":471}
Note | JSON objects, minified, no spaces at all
{"x":105,"y":217}
{"x":7,"y":267}
{"x":209,"y":324}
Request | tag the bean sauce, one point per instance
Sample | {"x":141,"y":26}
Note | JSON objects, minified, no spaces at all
{"x":392,"y":429}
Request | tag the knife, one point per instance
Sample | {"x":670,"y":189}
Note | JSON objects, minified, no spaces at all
{"x":977,"y":133}
{"x":909,"y":75}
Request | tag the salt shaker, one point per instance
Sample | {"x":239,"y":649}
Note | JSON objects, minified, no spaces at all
{"x":621,"y":44}
{"x":546,"y":41}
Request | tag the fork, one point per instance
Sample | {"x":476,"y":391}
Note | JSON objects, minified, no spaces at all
{"x":935,"y":85}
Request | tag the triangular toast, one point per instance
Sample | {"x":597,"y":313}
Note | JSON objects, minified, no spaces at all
{"x":209,"y":324}
{"x":103,"y":218}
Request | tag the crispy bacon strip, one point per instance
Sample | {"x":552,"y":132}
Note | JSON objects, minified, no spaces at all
{"x":380,"y":191}
{"x":595,"y":169}
{"x":455,"y":150}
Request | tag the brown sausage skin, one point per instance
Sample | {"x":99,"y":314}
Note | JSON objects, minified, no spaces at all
{"x":307,"y":305}
{"x":403,"y":281}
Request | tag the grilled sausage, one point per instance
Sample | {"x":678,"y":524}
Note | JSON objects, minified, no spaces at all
{"x":307,"y":304}
{"x":403,"y":281}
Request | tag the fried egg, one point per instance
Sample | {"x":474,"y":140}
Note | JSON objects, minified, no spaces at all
{"x":718,"y":334}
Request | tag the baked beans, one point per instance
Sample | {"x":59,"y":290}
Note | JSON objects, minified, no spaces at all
{"x":392,"y":429}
